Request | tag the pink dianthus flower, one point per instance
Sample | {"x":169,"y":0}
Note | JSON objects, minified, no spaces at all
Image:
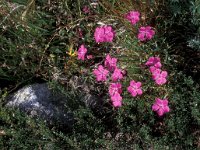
{"x":135,"y":88}
{"x":115,"y":88}
{"x":104,"y":34}
{"x":81,"y":52}
{"x":116,"y":100}
{"x":110,"y":63}
{"x":117,"y":74}
{"x":154,"y":61}
{"x":146,"y":33}
{"x":101,"y":73}
{"x":161,"y":106}
{"x":159,"y":76}
{"x":133,"y":17}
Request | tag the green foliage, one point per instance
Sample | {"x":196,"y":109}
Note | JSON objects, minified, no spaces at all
{"x":20,"y":51}
{"x":180,"y":21}
{"x":184,"y":118}
{"x":21,"y":132}
{"x":187,"y":15}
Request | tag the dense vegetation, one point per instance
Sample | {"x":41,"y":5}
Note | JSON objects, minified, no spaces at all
{"x":39,"y":41}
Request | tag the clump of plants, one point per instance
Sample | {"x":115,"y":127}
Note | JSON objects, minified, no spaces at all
{"x":105,"y":34}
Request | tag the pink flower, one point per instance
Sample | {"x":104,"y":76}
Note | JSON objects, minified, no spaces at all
{"x":135,"y":88}
{"x":104,"y":34}
{"x":133,"y":17}
{"x":159,"y":76}
{"x":161,"y":106}
{"x":116,"y":100}
{"x":115,"y":88}
{"x":81,"y":52}
{"x":101,"y":73}
{"x":154,"y":61}
{"x":110,"y":63}
{"x":117,"y":74}
{"x":145,"y":33}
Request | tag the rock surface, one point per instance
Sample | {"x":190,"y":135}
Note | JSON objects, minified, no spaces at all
{"x":38,"y":100}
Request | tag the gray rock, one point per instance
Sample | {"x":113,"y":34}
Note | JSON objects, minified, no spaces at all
{"x":39,"y":101}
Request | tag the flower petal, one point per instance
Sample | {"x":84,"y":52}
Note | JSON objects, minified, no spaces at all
{"x":165,"y":102}
{"x":160,"y":112}
{"x":116,"y":97}
{"x":117,"y":103}
{"x":139,"y":91}
{"x":166,"y":109}
{"x":155,"y":107}
{"x":133,"y":93}
{"x":159,"y":101}
{"x":138,"y":84}
{"x":164,"y":74}
{"x":132,"y":83}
